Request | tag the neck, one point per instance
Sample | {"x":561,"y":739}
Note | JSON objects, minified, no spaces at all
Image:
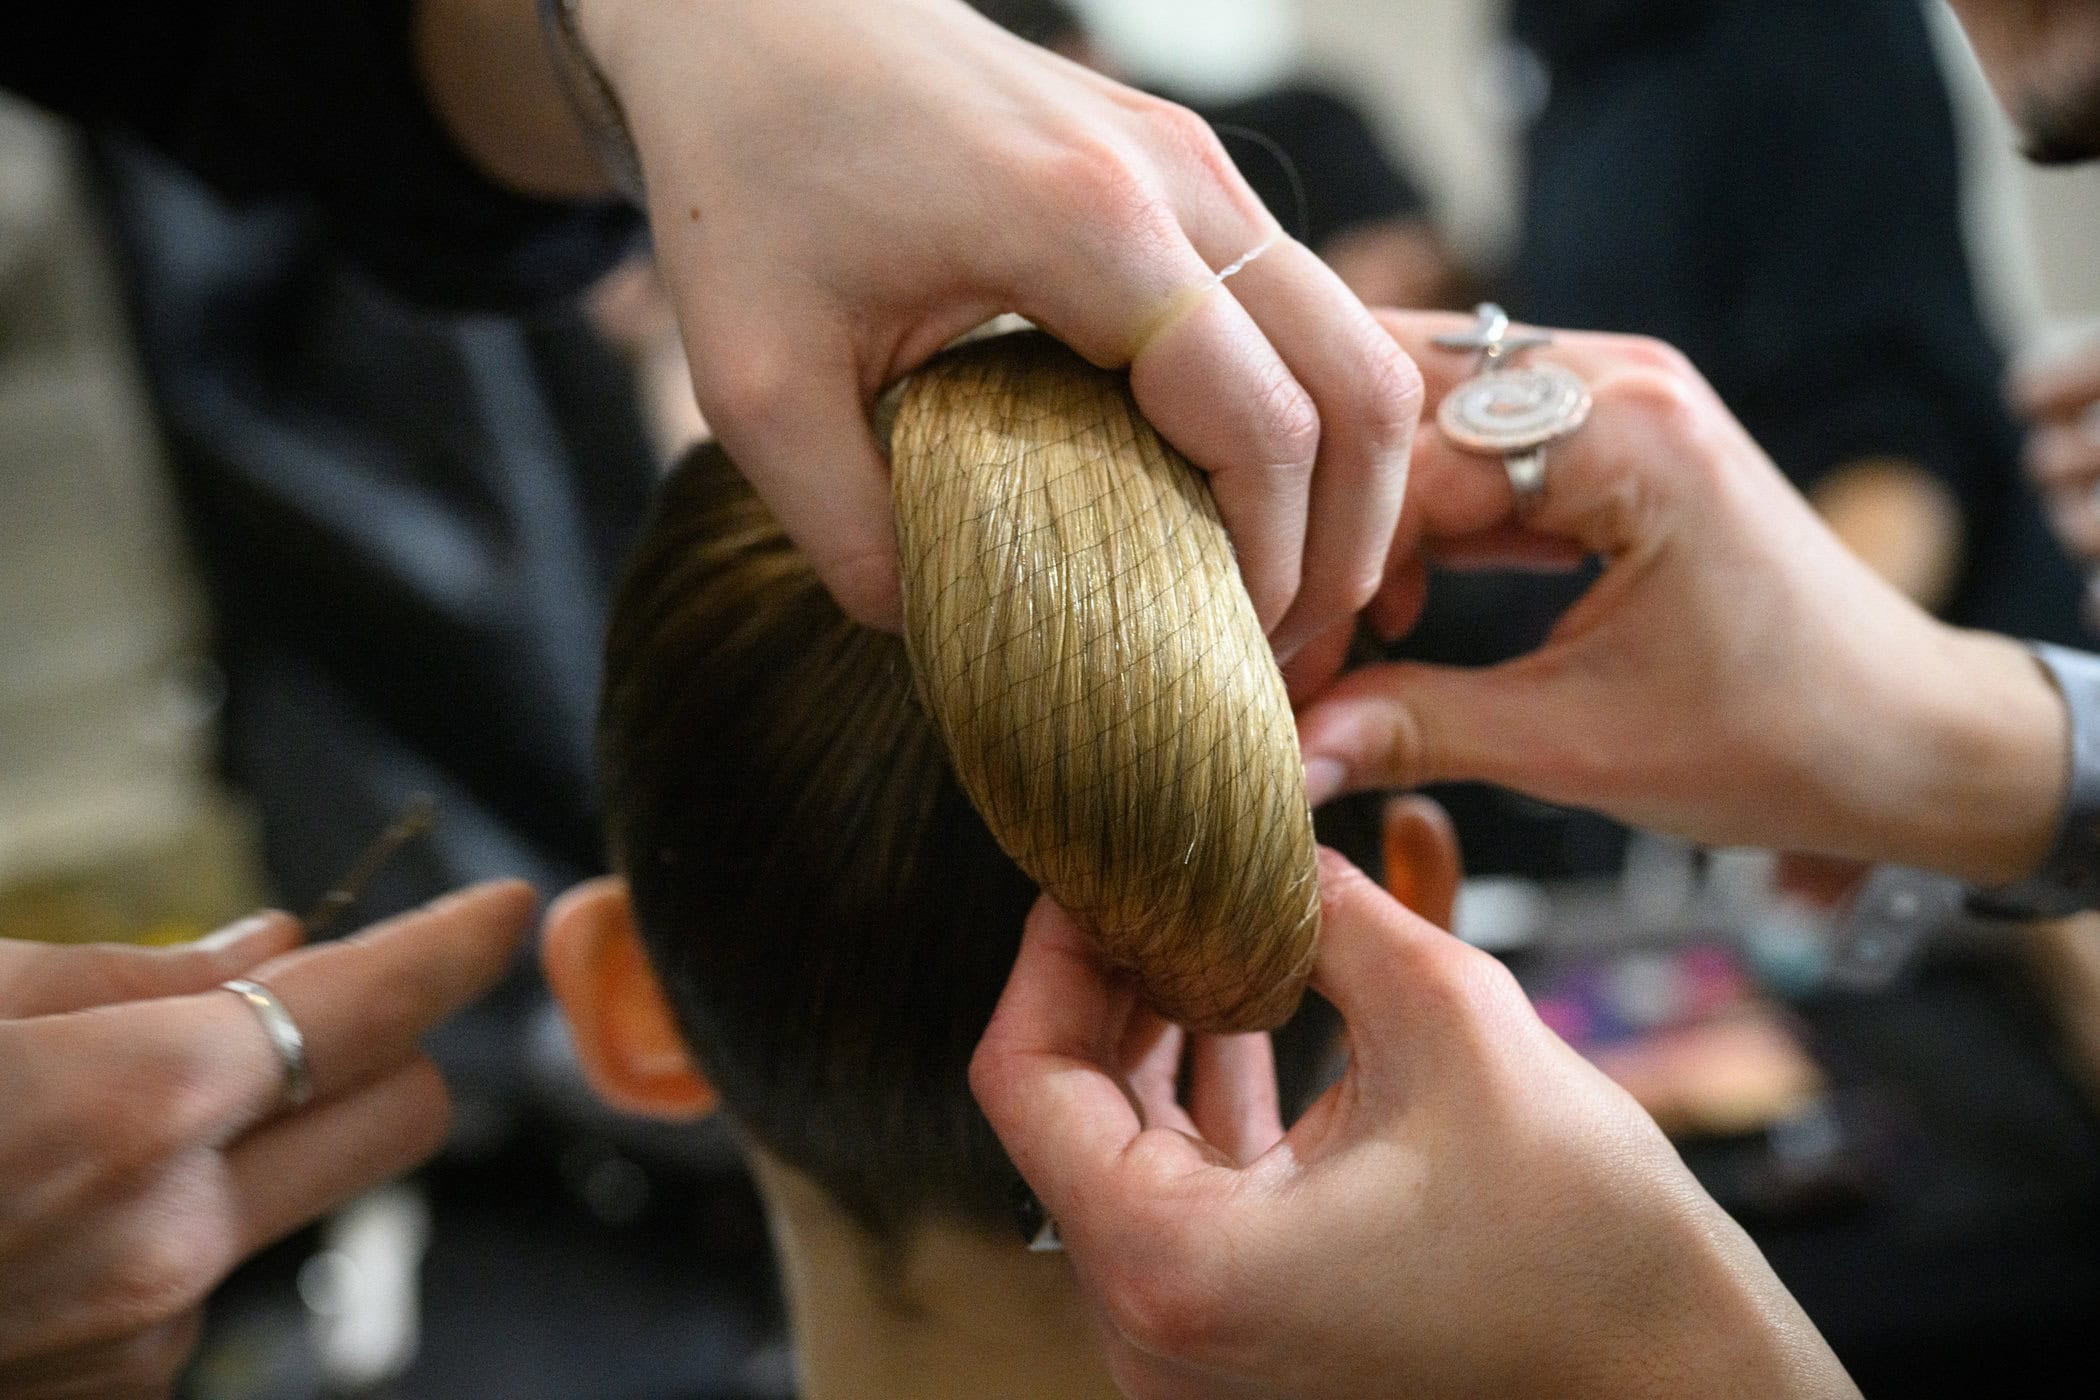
{"x":945,"y":1311}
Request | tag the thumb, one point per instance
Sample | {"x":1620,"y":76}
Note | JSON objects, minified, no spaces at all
{"x":1408,"y":724}
{"x":48,"y":979}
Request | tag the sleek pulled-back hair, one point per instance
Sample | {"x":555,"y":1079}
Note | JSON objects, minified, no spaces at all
{"x":829,"y":915}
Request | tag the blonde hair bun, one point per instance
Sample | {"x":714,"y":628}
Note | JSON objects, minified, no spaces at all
{"x":1082,"y":640}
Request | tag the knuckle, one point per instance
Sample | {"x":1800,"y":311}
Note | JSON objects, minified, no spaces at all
{"x":1393,"y":404}
{"x":1648,"y":353}
{"x":118,"y":1129}
{"x":1465,"y":989}
{"x":166,"y":1270}
{"x":1290,"y":418}
{"x":753,"y":389}
{"x":148,"y":1364}
{"x":1342,"y":587}
{"x":1161,"y":1309}
{"x":1181,"y":131}
{"x":1192,"y":143}
{"x":1669,"y":404}
{"x":866,"y":586}
{"x":1095,"y":184}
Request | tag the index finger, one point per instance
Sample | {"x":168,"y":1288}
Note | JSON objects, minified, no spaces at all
{"x":1044,"y":1071}
{"x":363,"y":1003}
{"x":200,"y":1069}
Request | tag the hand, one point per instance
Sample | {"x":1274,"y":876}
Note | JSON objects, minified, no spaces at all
{"x":1736,"y":676}
{"x":142,"y":1155}
{"x":1471,"y":1210}
{"x":2059,"y":396}
{"x":840,"y":187}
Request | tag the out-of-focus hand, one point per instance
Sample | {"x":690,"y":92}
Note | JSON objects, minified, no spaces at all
{"x":142,"y":1153}
{"x":840,"y":187}
{"x":1736,"y":676}
{"x":2059,"y":396}
{"x":1472,"y":1210}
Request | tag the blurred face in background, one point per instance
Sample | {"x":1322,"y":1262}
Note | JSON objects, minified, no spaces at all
{"x":2043,"y":57}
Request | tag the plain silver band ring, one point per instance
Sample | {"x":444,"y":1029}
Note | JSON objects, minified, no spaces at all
{"x":283,"y":1031}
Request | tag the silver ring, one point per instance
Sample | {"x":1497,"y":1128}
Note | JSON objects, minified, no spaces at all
{"x":285,"y":1039}
{"x":1511,"y":411}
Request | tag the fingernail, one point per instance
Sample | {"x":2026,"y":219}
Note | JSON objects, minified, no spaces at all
{"x":1324,"y":778}
{"x":234,"y":933}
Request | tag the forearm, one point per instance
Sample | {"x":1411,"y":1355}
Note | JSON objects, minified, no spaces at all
{"x":489,"y":79}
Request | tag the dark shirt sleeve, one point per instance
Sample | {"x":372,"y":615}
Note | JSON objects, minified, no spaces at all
{"x":317,"y":100}
{"x":1832,"y":237}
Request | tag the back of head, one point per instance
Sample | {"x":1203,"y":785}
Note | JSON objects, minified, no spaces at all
{"x":827,"y":911}
{"x":829,"y":915}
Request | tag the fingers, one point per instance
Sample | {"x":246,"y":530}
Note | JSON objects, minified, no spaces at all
{"x":2058,"y":386}
{"x":1407,"y":991}
{"x":142,"y":1364}
{"x":121,"y":1087}
{"x":38,"y":979}
{"x":794,"y":423}
{"x":1151,"y":1056}
{"x":1367,"y":394}
{"x":290,"y":1173}
{"x":1654,"y":432}
{"x":1232,"y":1100}
{"x":1041,"y":1073}
{"x":2063,"y":458}
{"x":2064,"y":454}
{"x":365,"y":1002}
{"x":1206,"y":377}
{"x":1407,"y":724}
{"x":1047,"y":1075}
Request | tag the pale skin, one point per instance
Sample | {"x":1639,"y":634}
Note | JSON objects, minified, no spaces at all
{"x":1472,"y":1210}
{"x":952,"y":1311}
{"x":838,"y":188}
{"x":144,"y":1151}
{"x":1736,"y":677}
{"x":2059,"y":396}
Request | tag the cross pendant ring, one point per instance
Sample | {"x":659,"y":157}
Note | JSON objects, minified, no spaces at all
{"x":1507,"y":410}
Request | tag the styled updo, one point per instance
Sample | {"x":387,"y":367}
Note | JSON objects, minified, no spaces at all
{"x":1085,"y":647}
{"x":830,"y":916}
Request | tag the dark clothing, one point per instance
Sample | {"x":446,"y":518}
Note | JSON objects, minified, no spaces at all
{"x":321,"y":101}
{"x":408,"y":523}
{"x":1315,"y":162}
{"x":1773,"y":186}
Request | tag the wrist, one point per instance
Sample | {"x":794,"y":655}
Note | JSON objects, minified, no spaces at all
{"x":1713,"y":1321}
{"x":1989,"y":763}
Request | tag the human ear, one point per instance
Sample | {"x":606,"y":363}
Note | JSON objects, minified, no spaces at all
{"x":1422,"y":862}
{"x":626,"y":1036}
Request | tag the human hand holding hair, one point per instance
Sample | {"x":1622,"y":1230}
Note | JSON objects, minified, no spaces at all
{"x":1735,"y":676}
{"x":144,"y":1147}
{"x":1472,"y":1209}
{"x":838,"y":188}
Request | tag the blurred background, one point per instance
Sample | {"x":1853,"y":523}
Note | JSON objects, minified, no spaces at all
{"x":279,"y":552}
